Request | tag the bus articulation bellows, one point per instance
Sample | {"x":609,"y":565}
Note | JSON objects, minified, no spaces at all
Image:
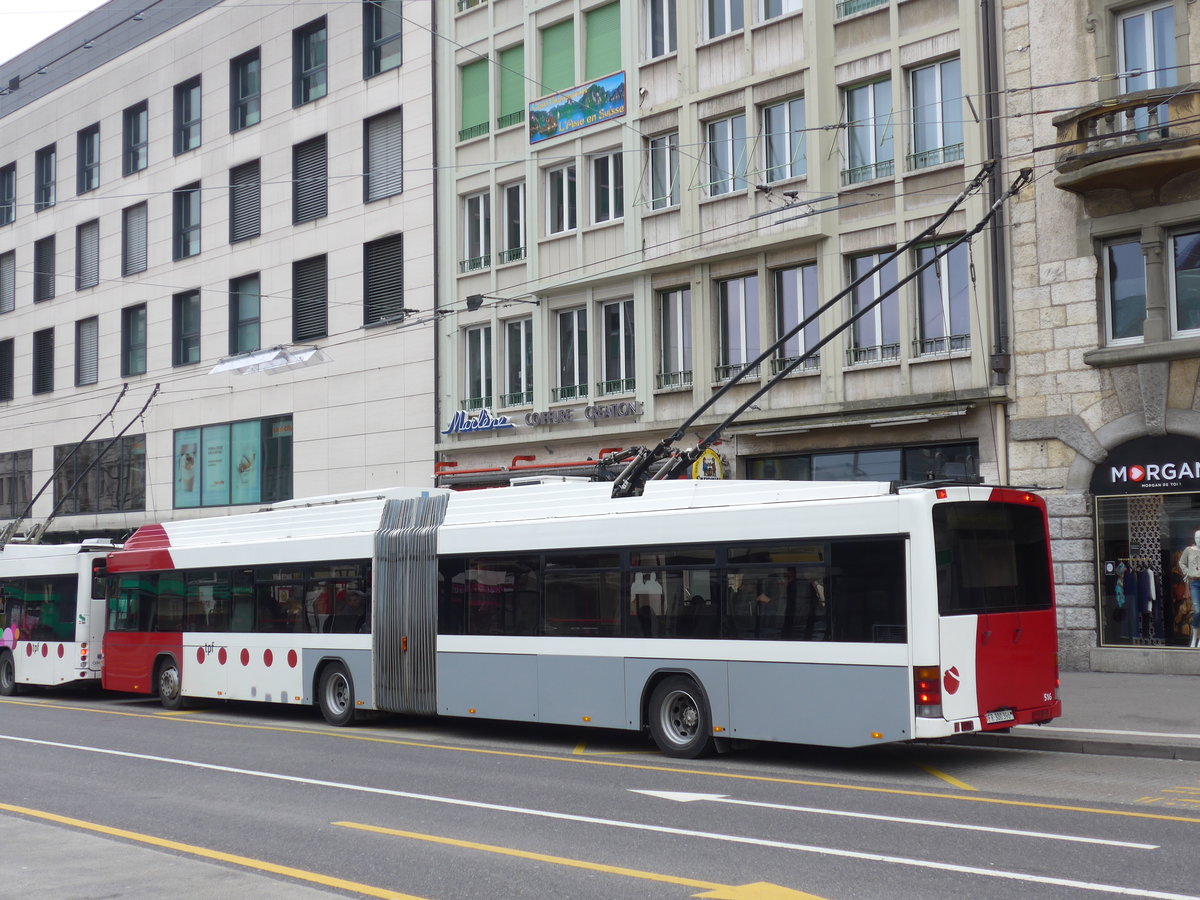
{"x":834,"y":613}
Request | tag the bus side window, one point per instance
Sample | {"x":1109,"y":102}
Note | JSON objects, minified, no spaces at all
{"x":451,"y":595}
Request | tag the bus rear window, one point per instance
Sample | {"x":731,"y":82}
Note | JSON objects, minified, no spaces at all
{"x":991,"y":557}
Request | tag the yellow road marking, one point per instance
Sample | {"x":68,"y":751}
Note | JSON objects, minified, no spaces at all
{"x":580,"y":748}
{"x":949,"y":779}
{"x":715,"y":889}
{"x":245,"y":861}
{"x":640,"y":767}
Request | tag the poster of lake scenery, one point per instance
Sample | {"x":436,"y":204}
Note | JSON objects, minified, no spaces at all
{"x":577,"y":107}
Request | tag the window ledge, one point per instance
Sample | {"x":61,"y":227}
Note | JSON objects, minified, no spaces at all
{"x":654,"y":60}
{"x":607,"y":223}
{"x":775,"y":20}
{"x":936,"y":167}
{"x":1158,"y":351}
{"x":713,"y":41}
{"x":650,"y":213}
{"x":717,"y":198}
{"x":940,"y":356}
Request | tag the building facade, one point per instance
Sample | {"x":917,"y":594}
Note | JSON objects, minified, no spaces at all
{"x":216,"y":230}
{"x":647,"y":193}
{"x":1106,"y":294}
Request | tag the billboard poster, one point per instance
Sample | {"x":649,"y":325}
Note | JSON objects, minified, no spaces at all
{"x":216,"y":465}
{"x":246,"y":457}
{"x":577,"y":107}
{"x":187,"y":468}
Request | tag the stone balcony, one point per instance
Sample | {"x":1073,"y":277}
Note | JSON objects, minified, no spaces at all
{"x":1134,"y":151}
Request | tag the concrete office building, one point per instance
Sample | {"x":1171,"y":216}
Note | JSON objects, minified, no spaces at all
{"x":227,"y":208}
{"x":646,"y":193}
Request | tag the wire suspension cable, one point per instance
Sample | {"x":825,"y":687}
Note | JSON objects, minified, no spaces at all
{"x":11,"y":528}
{"x":630,"y":479}
{"x":35,"y":536}
{"x":674,"y":463}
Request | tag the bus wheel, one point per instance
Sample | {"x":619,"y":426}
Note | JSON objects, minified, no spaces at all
{"x":8,"y":675}
{"x":680,"y":722}
{"x":336,"y":695}
{"x":170,"y":688}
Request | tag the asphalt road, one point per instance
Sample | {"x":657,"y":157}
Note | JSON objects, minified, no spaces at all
{"x":113,"y":797}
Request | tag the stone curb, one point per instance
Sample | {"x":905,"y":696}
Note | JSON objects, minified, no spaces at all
{"x":1188,"y":752}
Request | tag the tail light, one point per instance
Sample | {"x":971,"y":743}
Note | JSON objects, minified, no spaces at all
{"x":927,"y":691}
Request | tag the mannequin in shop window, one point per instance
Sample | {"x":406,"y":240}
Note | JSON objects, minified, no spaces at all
{"x":1189,"y":565}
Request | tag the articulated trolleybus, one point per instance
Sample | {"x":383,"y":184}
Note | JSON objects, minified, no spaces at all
{"x":835,"y":613}
{"x":51,"y":613}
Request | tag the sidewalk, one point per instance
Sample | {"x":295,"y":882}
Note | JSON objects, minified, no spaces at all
{"x":1114,"y":714}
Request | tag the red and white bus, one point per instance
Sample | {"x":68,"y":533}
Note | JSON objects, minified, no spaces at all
{"x":51,"y":613}
{"x":835,"y":613}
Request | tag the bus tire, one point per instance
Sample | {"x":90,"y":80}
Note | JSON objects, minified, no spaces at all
{"x":8,"y":675}
{"x":680,"y":722}
{"x":336,"y":694}
{"x":169,"y":684}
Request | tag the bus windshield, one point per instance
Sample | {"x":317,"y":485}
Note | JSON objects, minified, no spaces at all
{"x":991,"y":557}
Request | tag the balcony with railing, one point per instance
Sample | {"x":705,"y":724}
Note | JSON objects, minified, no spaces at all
{"x":517,"y":398}
{"x":935,"y":346}
{"x":846,"y":8}
{"x":923,"y":159}
{"x":473,"y":131}
{"x":509,"y":119}
{"x":879,"y":353}
{"x":1125,"y":153}
{"x":615,"y":386}
{"x":673,"y":380}
{"x":513,"y":254}
{"x":470,"y":404}
{"x":812,"y":364}
{"x":725,"y":372}
{"x":475,"y":263}
{"x":569,"y":392}
{"x":883,"y":169}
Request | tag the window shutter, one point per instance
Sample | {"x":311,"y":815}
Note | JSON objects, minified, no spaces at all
{"x":558,"y":57}
{"x":512,"y":80}
{"x":135,"y":240}
{"x":87,"y":335}
{"x":8,"y":282}
{"x":310,"y":306}
{"x":43,"y":361}
{"x":474,"y":94}
{"x":88,"y":251}
{"x":43,"y":269}
{"x":603,"y":41}
{"x":383,"y":271}
{"x":245,"y":190}
{"x":310,"y":171}
{"x":385,"y":155}
{"x":6,"y":369}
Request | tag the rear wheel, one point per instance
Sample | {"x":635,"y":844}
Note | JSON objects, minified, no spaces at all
{"x":680,"y":721}
{"x":170,"y":685}
{"x":336,"y":695}
{"x":8,"y":675}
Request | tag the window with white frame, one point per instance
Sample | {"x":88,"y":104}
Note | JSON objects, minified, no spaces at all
{"x":664,"y":170}
{"x":660,"y":28}
{"x":737,"y":324}
{"x":675,"y":338}
{"x":725,"y":142}
{"x":477,"y":232}
{"x":512,"y":197}
{"x":1124,"y":290}
{"x":1185,"y":282}
{"x":722,"y":17}
{"x":773,"y":9}
{"x":617,"y":321}
{"x":572,"y":354}
{"x":869,"y":145}
{"x":875,"y":335}
{"x":1146,"y":47}
{"x":478,"y":374}
{"x":608,"y":187}
{"x":518,"y":362}
{"x":795,"y":300}
{"x":783,"y":139}
{"x":937,"y":116}
{"x":943,"y":300}
{"x":560,"y":199}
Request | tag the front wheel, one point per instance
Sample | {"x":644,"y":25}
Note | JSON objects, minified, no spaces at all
{"x":680,"y":722}
{"x":336,"y":695}
{"x":8,"y":675}
{"x":170,"y":685}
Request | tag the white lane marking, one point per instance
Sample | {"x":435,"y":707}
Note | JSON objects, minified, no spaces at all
{"x":633,"y":826}
{"x":682,"y":797}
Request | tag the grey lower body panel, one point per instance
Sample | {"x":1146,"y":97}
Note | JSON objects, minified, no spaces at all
{"x":803,"y":703}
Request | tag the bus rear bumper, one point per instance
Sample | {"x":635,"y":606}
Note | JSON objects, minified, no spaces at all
{"x":935,"y":728}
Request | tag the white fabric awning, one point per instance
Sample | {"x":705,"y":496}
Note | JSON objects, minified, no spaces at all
{"x":270,"y":361}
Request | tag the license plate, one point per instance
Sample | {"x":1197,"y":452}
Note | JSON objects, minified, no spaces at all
{"x":999,"y":715}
